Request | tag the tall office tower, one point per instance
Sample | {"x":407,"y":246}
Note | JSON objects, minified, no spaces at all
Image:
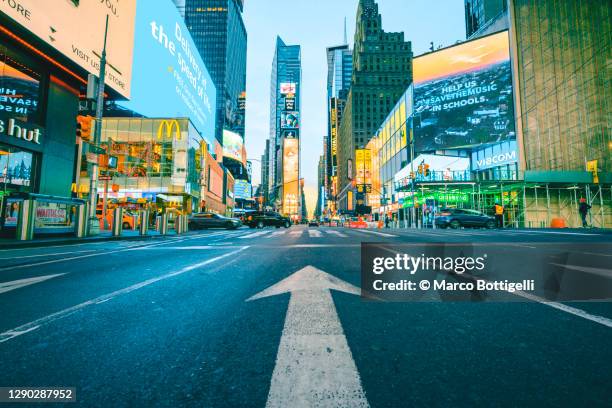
{"x":221,"y":38}
{"x":562,"y":53}
{"x":320,"y":187}
{"x":339,"y":72}
{"x":285,"y":91}
{"x":382,"y":70}
{"x":265,"y":174}
{"x":484,"y":17}
{"x":180,"y":5}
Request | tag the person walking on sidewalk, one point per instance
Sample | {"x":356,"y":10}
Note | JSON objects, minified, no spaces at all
{"x":583,"y":209}
{"x":499,"y":215}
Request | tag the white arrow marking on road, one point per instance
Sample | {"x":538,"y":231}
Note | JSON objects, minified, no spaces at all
{"x":314,"y":233}
{"x":314,"y":365}
{"x":8,"y":286}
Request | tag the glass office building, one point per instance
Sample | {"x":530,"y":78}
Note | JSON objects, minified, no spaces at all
{"x":220,"y":35}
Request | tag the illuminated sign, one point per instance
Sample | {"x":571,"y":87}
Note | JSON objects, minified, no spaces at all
{"x":290,"y":120}
{"x":363,"y":161}
{"x":287,"y":88}
{"x":170,"y":77}
{"x":17,"y":129}
{"x":499,"y":154}
{"x":76,"y":30}
{"x":289,"y":102}
{"x":242,"y":189}
{"x":232,"y":145}
{"x":291,"y":171}
{"x":463,"y":95}
{"x":166,"y":127}
{"x":333,"y":120}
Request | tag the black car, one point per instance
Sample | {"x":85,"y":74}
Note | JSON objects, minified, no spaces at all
{"x":210,"y":220}
{"x":457,"y":218}
{"x":313,"y":223}
{"x":262,"y":219}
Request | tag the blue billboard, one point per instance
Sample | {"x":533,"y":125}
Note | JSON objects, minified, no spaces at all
{"x":242,"y":190}
{"x":169,"y":78}
{"x":499,"y":154}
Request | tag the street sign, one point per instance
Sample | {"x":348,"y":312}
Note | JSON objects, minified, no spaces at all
{"x":95,"y":149}
{"x":105,"y":178}
{"x":91,"y":158}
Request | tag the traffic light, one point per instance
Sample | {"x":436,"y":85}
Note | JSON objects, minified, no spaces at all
{"x":420,"y":169}
{"x":427,"y":170}
{"x":84,"y":127}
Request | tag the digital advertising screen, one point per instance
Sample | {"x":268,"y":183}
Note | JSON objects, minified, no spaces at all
{"x":19,"y":92}
{"x":76,"y":30}
{"x":170,"y":78}
{"x":290,"y":120}
{"x":287,"y":88}
{"x":463,"y":95}
{"x":232,"y":145}
{"x":242,"y":190}
{"x":291,"y":173}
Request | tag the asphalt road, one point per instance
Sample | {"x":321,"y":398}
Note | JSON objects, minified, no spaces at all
{"x":167,"y":323}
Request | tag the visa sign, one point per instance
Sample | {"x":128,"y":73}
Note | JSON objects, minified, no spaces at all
{"x":499,"y":154}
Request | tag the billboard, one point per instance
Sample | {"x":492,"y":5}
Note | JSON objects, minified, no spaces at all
{"x":19,"y":92}
{"x":291,"y":172}
{"x":363,"y":162}
{"x":287,"y":88}
{"x":290,"y":120}
{"x":170,"y":78}
{"x":242,"y":190}
{"x":463,"y":95}
{"x":499,"y":154}
{"x":232,"y":145}
{"x":76,"y":30}
{"x":290,"y":102}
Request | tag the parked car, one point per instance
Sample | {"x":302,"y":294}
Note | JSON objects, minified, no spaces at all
{"x":457,"y":218}
{"x":211,"y":220}
{"x":262,"y":219}
{"x":313,"y":223}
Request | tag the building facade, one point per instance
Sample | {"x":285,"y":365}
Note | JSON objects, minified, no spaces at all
{"x":284,"y":140}
{"x":220,"y":36}
{"x":339,"y":73}
{"x":483,"y":17}
{"x":382,"y":70}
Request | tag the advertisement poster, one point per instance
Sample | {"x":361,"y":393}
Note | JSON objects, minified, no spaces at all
{"x":291,"y":172}
{"x":232,"y":145}
{"x":169,"y":76}
{"x":363,"y":160}
{"x":15,"y":168}
{"x":290,"y":103}
{"x":242,"y":190}
{"x":19,"y":92}
{"x":290,"y":120}
{"x":76,"y":30}
{"x":463,"y":95}
{"x":287,"y":88}
{"x":11,"y":213}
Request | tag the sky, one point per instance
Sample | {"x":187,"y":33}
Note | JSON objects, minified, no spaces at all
{"x":316,"y":25}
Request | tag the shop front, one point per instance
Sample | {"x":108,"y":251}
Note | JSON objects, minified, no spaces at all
{"x":152,"y":164}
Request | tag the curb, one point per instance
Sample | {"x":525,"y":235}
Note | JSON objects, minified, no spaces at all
{"x":68,"y":241}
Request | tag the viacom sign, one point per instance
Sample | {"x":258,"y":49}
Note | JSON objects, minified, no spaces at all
{"x":499,"y":154}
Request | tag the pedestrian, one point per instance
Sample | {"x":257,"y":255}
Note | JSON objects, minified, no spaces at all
{"x":499,"y":215}
{"x":387,"y":221}
{"x":583,"y":209}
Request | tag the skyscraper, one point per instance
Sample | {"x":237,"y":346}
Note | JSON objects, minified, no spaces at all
{"x":339,"y":72}
{"x":484,"y":17}
{"x":285,"y":92}
{"x":221,"y":38}
{"x":382,"y":70}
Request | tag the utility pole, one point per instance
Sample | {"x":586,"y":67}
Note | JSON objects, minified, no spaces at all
{"x":94,"y":226}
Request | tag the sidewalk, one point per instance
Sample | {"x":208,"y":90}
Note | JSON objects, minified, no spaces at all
{"x":9,"y":243}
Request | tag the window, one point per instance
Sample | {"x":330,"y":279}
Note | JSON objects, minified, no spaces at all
{"x":19,"y":89}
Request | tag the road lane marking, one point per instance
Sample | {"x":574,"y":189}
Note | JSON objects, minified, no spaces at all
{"x":382,"y":234}
{"x":314,"y":365}
{"x":314,"y":233}
{"x":20,"y":283}
{"x":320,"y":246}
{"x":593,"y":234}
{"x":254,"y":235}
{"x":296,"y":232}
{"x":337,"y":233}
{"x":190,"y":248}
{"x":276,"y":234}
{"x":28,"y":327}
{"x":48,"y":254}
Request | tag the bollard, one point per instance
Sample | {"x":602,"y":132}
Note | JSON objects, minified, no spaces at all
{"x":178,"y":224}
{"x":82,"y":220}
{"x":117,"y":221}
{"x":186,"y":223}
{"x":143,"y":222}
{"x":162,"y":224}
{"x":25,"y":220}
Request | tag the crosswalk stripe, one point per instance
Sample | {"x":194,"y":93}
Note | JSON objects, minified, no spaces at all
{"x":296,"y":232}
{"x":337,"y":233}
{"x":276,"y":234}
{"x":253,"y":235}
{"x":382,"y":234}
{"x":314,"y":234}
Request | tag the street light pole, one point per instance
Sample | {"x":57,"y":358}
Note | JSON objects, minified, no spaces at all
{"x":412,"y":178}
{"x":94,"y":226}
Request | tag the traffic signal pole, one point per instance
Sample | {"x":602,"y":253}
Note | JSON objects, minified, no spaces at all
{"x":94,"y":225}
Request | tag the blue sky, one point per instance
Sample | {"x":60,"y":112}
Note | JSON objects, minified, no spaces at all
{"x":315,"y":25}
